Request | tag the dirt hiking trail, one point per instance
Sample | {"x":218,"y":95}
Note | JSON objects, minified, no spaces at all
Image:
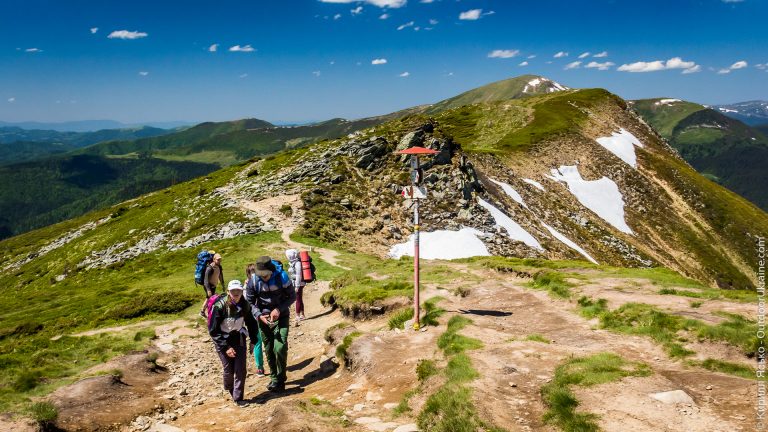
{"x":322,"y":395}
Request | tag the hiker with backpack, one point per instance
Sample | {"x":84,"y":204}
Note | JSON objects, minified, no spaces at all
{"x":274,"y":295}
{"x":229,"y":321}
{"x":295,"y":273}
{"x":251,"y":297}
{"x":208,"y":273}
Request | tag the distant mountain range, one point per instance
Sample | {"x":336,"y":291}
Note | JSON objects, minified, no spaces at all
{"x":752,"y":112}
{"x":92,"y":125}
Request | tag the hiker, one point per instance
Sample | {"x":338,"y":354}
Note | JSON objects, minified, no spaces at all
{"x":213,"y":275}
{"x":274,"y":294}
{"x":230,"y":320}
{"x":251,"y":297}
{"x":297,"y":278}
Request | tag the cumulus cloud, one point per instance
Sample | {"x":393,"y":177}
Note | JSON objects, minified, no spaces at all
{"x":560,"y":54}
{"x":379,"y":61}
{"x":406,"y":25}
{"x":739,"y":65}
{"x":405,"y":74}
{"x":379,"y":3}
{"x":383,"y":16}
{"x":125,"y":34}
{"x":572,"y":65}
{"x":337,"y":16}
{"x":433,"y":22}
{"x":532,"y":56}
{"x":503,"y":53}
{"x":599,"y":66}
{"x":583,"y":55}
{"x":33,"y":50}
{"x":94,"y":30}
{"x":11,"y":99}
{"x":213,"y":48}
{"x":763,"y":66}
{"x":244,"y":48}
{"x":143,"y":73}
{"x":525,"y":63}
{"x":357,"y":11}
{"x":601,"y":54}
{"x":659,"y":65}
{"x":470,"y":15}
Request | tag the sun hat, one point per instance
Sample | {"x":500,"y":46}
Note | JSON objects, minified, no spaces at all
{"x":264,"y":267}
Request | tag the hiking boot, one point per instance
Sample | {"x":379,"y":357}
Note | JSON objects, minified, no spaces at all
{"x":276,"y":387}
{"x":241,"y":403}
{"x":260,"y":373}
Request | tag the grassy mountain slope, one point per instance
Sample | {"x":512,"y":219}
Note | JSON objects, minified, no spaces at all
{"x":511,"y":88}
{"x":722,"y":148}
{"x":35,"y":144}
{"x":134,"y":260}
{"x":40,"y":193}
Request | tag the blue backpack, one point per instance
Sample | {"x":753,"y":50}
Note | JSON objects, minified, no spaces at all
{"x":203,"y":259}
{"x":284,"y":278}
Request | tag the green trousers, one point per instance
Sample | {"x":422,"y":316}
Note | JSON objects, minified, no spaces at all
{"x":276,"y":347}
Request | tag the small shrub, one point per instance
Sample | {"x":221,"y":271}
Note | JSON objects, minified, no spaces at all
{"x":168,"y":302}
{"x":400,"y":317}
{"x":696,"y":304}
{"x":148,"y":334}
{"x":26,"y":380}
{"x":425,"y":369}
{"x":553,"y":282}
{"x":44,"y":413}
{"x":461,"y":291}
{"x":286,"y":210}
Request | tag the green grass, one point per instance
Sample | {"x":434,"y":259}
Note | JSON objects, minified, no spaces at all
{"x":44,"y":413}
{"x":552,"y":282}
{"x":450,"y":408}
{"x":583,"y":371}
{"x":342,"y":349}
{"x":669,"y":330}
{"x":432,"y":313}
{"x":729,"y":368}
{"x":743,"y":296}
{"x":426,"y":369}
{"x":537,"y":338}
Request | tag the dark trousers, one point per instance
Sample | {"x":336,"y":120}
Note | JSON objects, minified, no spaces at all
{"x":234,"y":372}
{"x":300,"y":300}
{"x":276,"y":347}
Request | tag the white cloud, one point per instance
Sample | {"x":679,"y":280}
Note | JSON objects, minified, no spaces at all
{"x":601,"y":54}
{"x":244,"y":48}
{"x":723,"y":71}
{"x":94,"y":30}
{"x":332,"y":62}
{"x":11,"y":100}
{"x":599,"y":66}
{"x":213,"y":48}
{"x":337,"y":16}
{"x":532,"y":56}
{"x":762,"y":66}
{"x":125,"y":34}
{"x":732,"y":1}
{"x":406,"y":25}
{"x":405,"y":74}
{"x":489,"y":13}
{"x":471,"y":15}
{"x":525,"y":63}
{"x":357,"y":11}
{"x":379,"y":61}
{"x":143,"y":73}
{"x":383,"y":16}
{"x":572,"y":65}
{"x":380,"y":3}
{"x":659,"y":65}
{"x":583,"y":55}
{"x":739,"y":65}
{"x":433,"y":22}
{"x":503,"y":53}
{"x":241,"y":76}
{"x":33,"y":50}
{"x":427,"y":1}
{"x":560,"y":54}
{"x":694,"y":69}
{"x":316,"y":73}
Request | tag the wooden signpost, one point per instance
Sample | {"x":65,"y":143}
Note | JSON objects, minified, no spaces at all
{"x":416,"y":192}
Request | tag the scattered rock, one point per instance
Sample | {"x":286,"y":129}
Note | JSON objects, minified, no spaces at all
{"x":673,"y":397}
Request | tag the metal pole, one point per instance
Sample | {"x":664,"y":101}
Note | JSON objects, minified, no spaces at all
{"x":416,"y":323}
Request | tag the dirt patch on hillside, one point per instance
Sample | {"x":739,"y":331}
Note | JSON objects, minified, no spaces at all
{"x":101,"y":402}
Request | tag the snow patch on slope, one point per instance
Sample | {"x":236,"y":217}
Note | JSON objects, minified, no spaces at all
{"x":666,"y":101}
{"x":601,"y":196}
{"x":444,"y":244}
{"x":569,"y":243}
{"x":535,"y":184}
{"x":515,"y":231}
{"x":622,"y":144}
{"x":552,"y":86}
{"x":509,"y":190}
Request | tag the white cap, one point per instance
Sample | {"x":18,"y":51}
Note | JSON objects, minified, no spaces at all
{"x":235,"y":285}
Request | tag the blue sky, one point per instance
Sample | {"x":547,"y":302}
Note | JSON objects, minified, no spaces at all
{"x":304,"y":60}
